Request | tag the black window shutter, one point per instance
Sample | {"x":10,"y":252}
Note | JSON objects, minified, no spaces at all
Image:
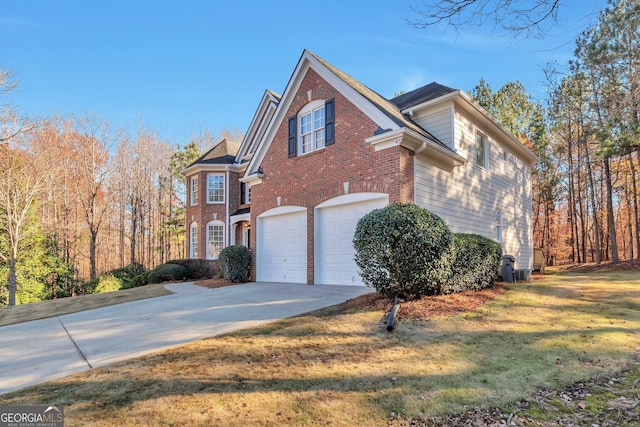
{"x":329,"y":122}
{"x":293,"y":133}
{"x":243,"y":193}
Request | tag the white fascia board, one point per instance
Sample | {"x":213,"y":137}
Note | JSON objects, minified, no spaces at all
{"x":419,"y":145}
{"x":213,"y":168}
{"x":253,"y":179}
{"x":267,"y":102}
{"x":529,"y":156}
{"x":306,"y":62}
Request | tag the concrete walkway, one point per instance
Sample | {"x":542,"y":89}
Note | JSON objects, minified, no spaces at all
{"x":42,"y":350}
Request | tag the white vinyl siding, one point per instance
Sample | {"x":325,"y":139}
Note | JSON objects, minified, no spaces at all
{"x":439,"y":122}
{"x":468,"y":197}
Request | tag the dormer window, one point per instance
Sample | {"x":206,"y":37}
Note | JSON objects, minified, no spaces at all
{"x":312,"y":129}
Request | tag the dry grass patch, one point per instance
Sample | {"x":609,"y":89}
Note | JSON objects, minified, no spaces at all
{"x":58,"y":307}
{"x":340,"y":366}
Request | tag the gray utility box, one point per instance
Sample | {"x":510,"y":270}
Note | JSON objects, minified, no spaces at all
{"x":506,"y":273}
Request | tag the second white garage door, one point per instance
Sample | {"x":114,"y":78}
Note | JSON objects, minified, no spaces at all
{"x":282,"y":246}
{"x":335,"y":257}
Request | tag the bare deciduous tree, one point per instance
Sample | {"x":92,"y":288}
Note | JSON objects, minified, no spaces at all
{"x":20,"y":185}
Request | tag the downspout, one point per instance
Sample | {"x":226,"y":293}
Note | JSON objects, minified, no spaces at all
{"x":226,"y":206}
{"x":422,"y":147}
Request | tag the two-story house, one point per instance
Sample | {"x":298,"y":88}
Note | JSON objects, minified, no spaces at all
{"x":330,"y":150}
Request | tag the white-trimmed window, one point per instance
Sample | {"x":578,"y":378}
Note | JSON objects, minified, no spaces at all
{"x":311,"y":130}
{"x":245,"y":193}
{"x":215,"y":188}
{"x":193,"y":240}
{"x":499,"y":226}
{"x":482,"y":146}
{"x":193,"y":191}
{"x":215,"y":239}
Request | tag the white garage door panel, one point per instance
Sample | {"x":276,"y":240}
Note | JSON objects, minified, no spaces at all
{"x":283,"y":248}
{"x":337,"y":226}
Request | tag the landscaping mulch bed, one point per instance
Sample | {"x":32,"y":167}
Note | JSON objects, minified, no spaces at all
{"x":432,"y":306}
{"x":215,"y":283}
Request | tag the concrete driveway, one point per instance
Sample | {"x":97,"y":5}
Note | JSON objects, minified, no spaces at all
{"x":42,"y":350}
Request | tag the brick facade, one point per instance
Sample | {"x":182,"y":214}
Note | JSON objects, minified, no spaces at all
{"x":202,"y":213}
{"x":313,"y":178}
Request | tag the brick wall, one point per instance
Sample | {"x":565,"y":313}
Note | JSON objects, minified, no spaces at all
{"x":311,"y":179}
{"x":204,"y":212}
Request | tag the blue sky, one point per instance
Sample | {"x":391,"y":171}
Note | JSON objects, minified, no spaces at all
{"x":182,"y":67}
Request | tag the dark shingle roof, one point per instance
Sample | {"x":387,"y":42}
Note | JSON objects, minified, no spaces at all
{"x":422,"y":94}
{"x":222,"y":153}
{"x":241,"y":211}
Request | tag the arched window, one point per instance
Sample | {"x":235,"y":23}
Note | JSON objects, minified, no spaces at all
{"x":215,"y":239}
{"x":193,"y":240}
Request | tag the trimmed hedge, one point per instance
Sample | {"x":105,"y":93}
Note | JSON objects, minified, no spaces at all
{"x":472,"y":262}
{"x":128,"y":272}
{"x":168,"y":272}
{"x":139,"y":280}
{"x":398,"y":249}
{"x":197,"y":268}
{"x":235,"y":263}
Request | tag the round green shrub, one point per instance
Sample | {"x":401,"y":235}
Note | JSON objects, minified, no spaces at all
{"x":471,"y":262}
{"x":235,"y":263}
{"x":139,"y":280}
{"x":107,"y":283}
{"x":168,"y":272}
{"x":398,"y":249}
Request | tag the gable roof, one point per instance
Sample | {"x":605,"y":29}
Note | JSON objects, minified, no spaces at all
{"x":258,"y":125}
{"x":383,"y":104}
{"x":380,"y":110}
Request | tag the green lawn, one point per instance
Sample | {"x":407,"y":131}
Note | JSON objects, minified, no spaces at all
{"x":334,"y":367}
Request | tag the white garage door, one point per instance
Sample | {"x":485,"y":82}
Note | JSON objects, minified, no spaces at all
{"x":335,"y":264}
{"x":282,"y":248}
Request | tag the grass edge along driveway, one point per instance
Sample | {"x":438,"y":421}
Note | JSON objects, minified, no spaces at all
{"x":343,"y":368}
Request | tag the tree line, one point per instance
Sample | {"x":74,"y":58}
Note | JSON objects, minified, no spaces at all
{"x":587,"y":137}
{"x":79,"y":197}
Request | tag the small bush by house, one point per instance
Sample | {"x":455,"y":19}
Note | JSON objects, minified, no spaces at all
{"x":235,"y":263}
{"x":398,"y":250}
{"x":198,"y":268}
{"x":471,"y":262}
{"x":168,"y":272}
